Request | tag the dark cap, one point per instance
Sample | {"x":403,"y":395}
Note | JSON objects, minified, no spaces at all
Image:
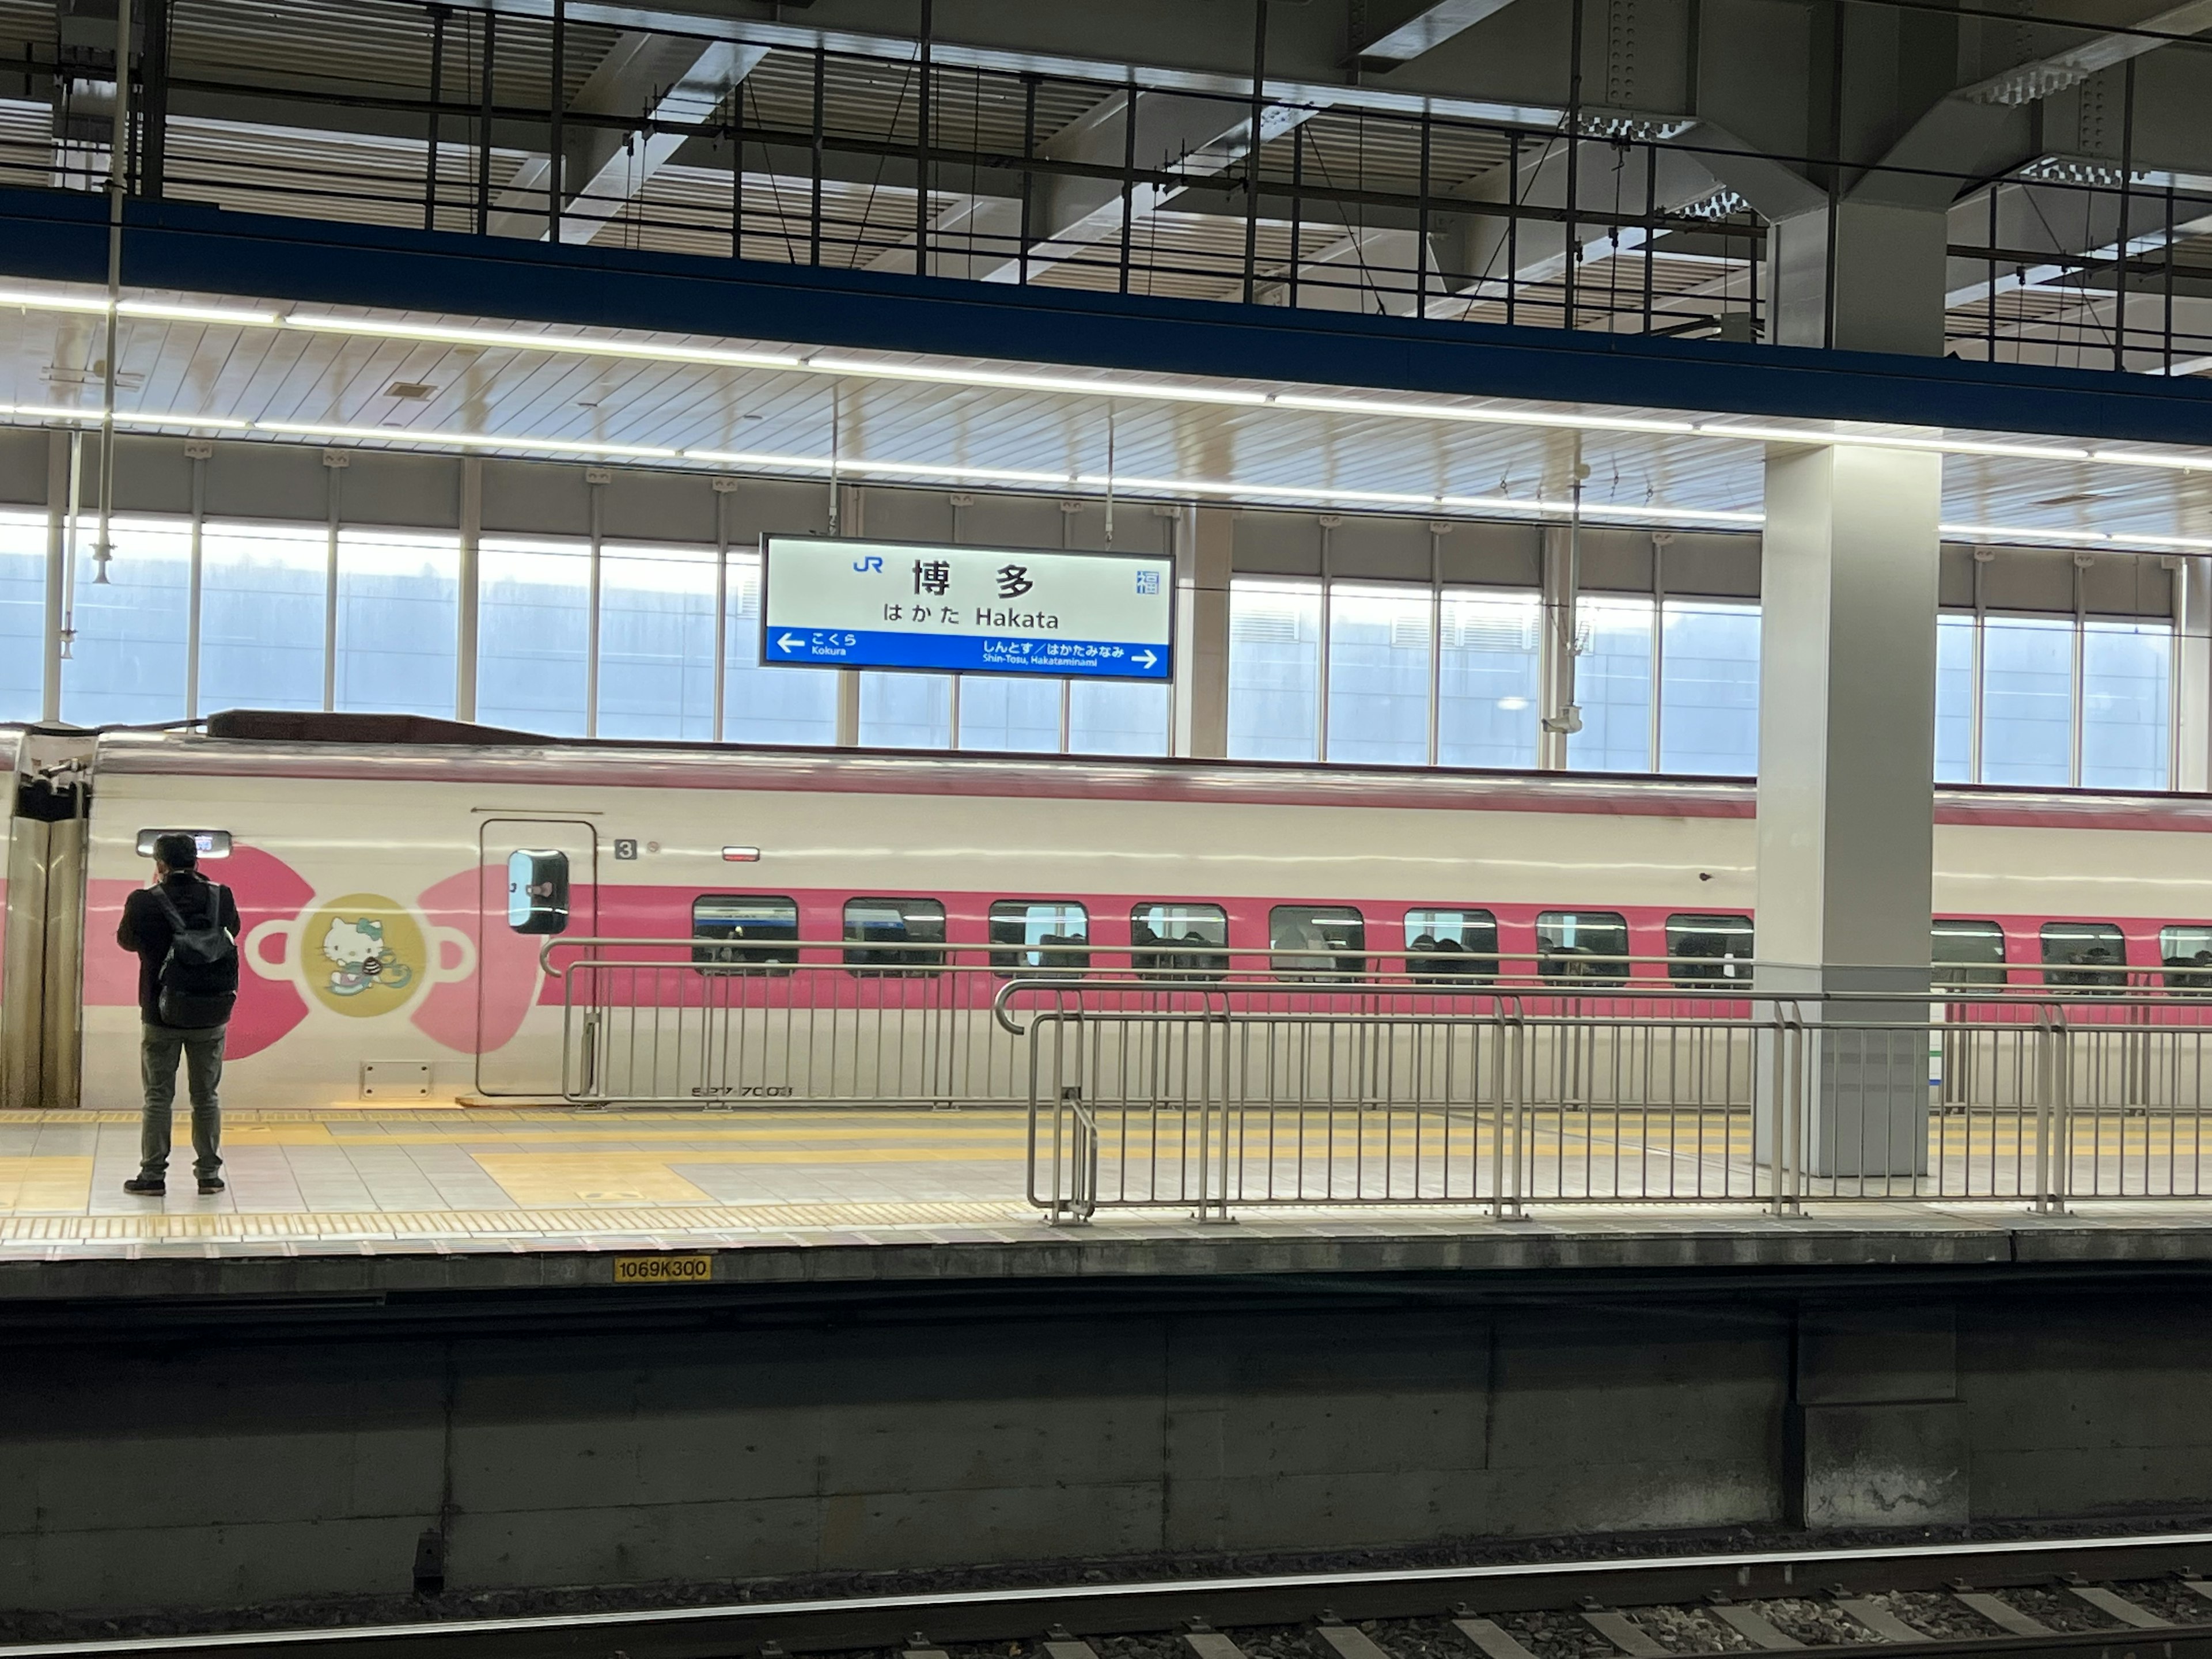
{"x":177,"y":852}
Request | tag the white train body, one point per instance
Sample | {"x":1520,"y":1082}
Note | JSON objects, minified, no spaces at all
{"x":373,"y":879}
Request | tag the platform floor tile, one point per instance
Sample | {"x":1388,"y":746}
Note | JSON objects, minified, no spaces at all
{"x":424,"y":1180}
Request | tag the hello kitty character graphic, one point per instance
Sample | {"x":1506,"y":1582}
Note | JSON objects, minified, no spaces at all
{"x":360,"y":959}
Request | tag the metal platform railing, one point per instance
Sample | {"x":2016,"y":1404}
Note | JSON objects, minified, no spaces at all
{"x":1670,"y":1047}
{"x":1788,"y":1103}
{"x":703,"y":1022}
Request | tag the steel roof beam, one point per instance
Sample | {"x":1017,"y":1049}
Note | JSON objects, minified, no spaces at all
{"x":1200,"y":138}
{"x":2040,"y":77}
{"x":1402,"y":33}
{"x":668,"y":83}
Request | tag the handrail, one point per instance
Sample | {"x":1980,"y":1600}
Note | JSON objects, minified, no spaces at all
{"x":1511,"y":1008}
{"x":1430,"y":971}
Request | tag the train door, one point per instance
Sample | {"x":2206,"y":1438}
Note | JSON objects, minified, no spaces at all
{"x":537,"y":878}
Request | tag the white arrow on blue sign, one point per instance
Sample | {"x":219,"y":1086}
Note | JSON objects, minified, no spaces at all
{"x":969,"y":610}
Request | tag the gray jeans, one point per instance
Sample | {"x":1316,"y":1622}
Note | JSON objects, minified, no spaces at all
{"x":158,"y":1049}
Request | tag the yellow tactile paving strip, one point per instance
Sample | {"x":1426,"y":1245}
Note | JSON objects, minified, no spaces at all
{"x":619,"y":1222}
{"x":410,"y":1175}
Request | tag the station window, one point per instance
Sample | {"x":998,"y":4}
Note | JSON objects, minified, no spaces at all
{"x":1709,"y":950}
{"x":887,"y":934}
{"x":2185,"y":950}
{"x":1054,"y":934}
{"x":1587,"y":945}
{"x":1442,"y":945}
{"x":537,"y":892}
{"x":1967,"y":953}
{"x":2084,"y":955}
{"x":1315,"y":927}
{"x":767,"y":925}
{"x":1201,"y":931}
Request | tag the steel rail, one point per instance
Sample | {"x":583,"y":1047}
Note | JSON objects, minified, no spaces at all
{"x":990,"y":1615}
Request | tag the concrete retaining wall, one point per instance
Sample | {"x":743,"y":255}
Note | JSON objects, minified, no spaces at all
{"x":220,"y":1467}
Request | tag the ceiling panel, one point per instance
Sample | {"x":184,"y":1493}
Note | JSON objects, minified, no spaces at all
{"x":1256,"y":452}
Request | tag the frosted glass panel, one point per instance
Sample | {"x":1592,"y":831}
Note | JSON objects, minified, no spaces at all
{"x":1954,"y":700}
{"x":2126,"y":704}
{"x":1709,"y":689}
{"x":261,"y":616}
{"x":1274,"y":670}
{"x":1488,"y":711}
{"x":770,"y":705}
{"x":532,"y":630}
{"x":397,"y":609}
{"x":2027,"y":700}
{"x":1000,"y":712}
{"x":906,"y":711}
{"x":1116,"y":717}
{"x":127,"y":665}
{"x":657,"y":643}
{"x":22,"y":614}
{"x":1612,"y":686}
{"x":1378,"y":675}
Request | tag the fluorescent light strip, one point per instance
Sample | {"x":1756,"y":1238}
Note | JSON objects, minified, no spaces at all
{"x":98,"y":308}
{"x":914,"y":469}
{"x":511,"y":340}
{"x":2007,"y":532}
{"x":214,"y":314}
{"x":1150,"y":390}
{"x":57,"y":412}
{"x":2125,"y":457}
{"x":465,"y":440}
{"x":2125,"y":541}
{"x":1481,"y":416}
{"x":1781,"y":435}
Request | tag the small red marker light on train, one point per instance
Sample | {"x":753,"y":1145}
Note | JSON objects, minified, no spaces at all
{"x":741,"y":856}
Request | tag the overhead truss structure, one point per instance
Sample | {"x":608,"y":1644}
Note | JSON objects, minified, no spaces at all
{"x":1881,"y":174}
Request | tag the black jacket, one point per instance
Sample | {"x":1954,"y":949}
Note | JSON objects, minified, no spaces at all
{"x":147,"y":931}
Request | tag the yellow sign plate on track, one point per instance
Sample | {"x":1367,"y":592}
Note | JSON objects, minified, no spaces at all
{"x":663,"y":1269}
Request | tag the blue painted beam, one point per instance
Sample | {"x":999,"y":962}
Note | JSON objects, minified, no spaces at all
{"x":63,"y":235}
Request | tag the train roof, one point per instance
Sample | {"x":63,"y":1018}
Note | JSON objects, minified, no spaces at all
{"x":252,"y":743}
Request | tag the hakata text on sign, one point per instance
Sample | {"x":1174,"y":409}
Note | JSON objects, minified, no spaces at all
{"x":971,"y":610}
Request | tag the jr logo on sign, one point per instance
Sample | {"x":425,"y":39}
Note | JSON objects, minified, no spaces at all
{"x":864,"y":566}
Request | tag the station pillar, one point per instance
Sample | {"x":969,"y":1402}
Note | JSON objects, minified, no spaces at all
{"x":1205,"y":545}
{"x":1847,"y":798}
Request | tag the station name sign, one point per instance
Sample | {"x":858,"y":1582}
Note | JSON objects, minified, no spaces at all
{"x":847,"y":603}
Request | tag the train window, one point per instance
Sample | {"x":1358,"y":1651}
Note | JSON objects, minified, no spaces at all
{"x":885,"y":934}
{"x":537,"y":892}
{"x":2084,"y":955}
{"x":1967,"y":953}
{"x":2186,"y":952}
{"x":1310,"y":927}
{"x":768,"y":926}
{"x":1588,"y":945}
{"x":1442,"y":945}
{"x":1709,"y":950}
{"x":1053,"y":933}
{"x":211,"y":843}
{"x":1201,"y":930}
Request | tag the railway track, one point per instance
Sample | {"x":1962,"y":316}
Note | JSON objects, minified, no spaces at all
{"x":2115,"y":1598}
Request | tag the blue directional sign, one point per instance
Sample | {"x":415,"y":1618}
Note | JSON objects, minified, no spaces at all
{"x":842,"y":604}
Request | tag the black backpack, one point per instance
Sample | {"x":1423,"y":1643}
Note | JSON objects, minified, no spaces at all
{"x":199,"y":975}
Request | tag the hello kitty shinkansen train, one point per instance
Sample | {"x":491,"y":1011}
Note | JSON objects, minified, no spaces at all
{"x":397,"y":879}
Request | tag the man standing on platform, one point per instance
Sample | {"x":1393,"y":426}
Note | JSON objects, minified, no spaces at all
{"x":185,"y":929}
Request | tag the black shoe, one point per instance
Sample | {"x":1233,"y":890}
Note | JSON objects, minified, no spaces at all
{"x":146,"y":1186}
{"x":210,"y":1184}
